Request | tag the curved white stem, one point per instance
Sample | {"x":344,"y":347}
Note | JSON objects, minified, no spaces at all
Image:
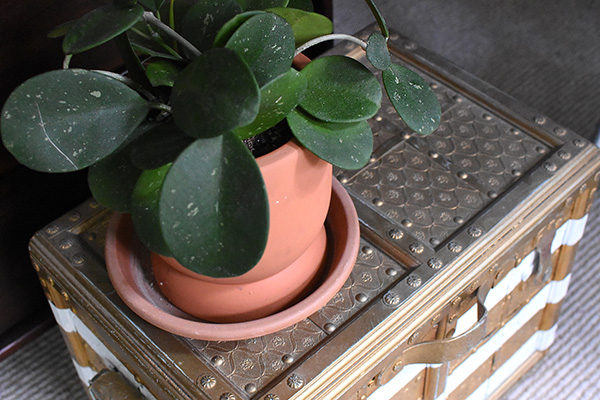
{"x":333,"y":36}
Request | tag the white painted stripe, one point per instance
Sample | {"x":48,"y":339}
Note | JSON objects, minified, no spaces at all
{"x":466,"y":321}
{"x":86,"y":374}
{"x":569,"y":233}
{"x":537,"y":303}
{"x":403,"y":378}
{"x":63,"y":317}
{"x":539,"y":341}
{"x":519,"y":274}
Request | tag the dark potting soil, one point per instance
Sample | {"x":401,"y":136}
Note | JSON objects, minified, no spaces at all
{"x":269,"y":140}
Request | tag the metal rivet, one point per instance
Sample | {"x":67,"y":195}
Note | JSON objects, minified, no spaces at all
{"x":516,"y":172}
{"x":78,"y":259}
{"x":474,"y":231}
{"x":391,"y":272}
{"x":434,"y":241}
{"x":560,"y":131}
{"x":414,"y":281}
{"x":250,"y":388}
{"x":597,"y":176}
{"x":368,"y":250}
{"x":391,"y":299}
{"x":456,"y":302}
{"x":515,"y":132}
{"x":410,"y":46}
{"x":492,"y":195}
{"x":578,"y":143}
{"x":583,"y":188}
{"x":413,"y":338}
{"x":288,"y":358}
{"x":295,"y":381}
{"x":540,"y":120}
{"x":462,"y":175}
{"x":454,"y":247}
{"x":487,"y":117}
{"x":329,"y":327}
{"x":540,"y":150}
{"x":227,"y":396}
{"x":207,"y":381}
{"x":457,"y":98}
{"x":361,"y":297}
{"x":565,"y":155}
{"x":65,"y":244}
{"x":74,"y":217}
{"x":407,"y":223}
{"x":459,"y":220}
{"x":549,"y":166}
{"x":378,"y":202}
{"x":395,"y":233}
{"x":342,"y":178}
{"x":417,"y":248}
{"x":217,"y":360}
{"x":271,"y":397}
{"x":435,"y":263}
{"x":434,"y":154}
{"x":52,"y":229}
{"x":397,"y":366}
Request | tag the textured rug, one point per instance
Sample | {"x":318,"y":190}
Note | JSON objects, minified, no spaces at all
{"x":546,"y":55}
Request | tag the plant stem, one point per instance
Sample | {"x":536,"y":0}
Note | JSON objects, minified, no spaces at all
{"x":161,"y":107}
{"x":132,"y":62}
{"x":151,"y":19}
{"x":67,"y":61}
{"x":334,"y":36}
{"x":129,"y":82}
{"x":378,"y":18}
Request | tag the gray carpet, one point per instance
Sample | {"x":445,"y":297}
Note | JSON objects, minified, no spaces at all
{"x":544,"y":53}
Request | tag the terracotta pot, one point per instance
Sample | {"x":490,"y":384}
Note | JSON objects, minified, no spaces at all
{"x":299,"y":189}
{"x":127,"y":262}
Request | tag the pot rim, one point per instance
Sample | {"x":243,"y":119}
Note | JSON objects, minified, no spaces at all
{"x":137,"y":294}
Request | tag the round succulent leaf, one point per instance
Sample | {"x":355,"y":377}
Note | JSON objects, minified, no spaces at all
{"x":345,"y":145}
{"x":340,"y":89}
{"x":162,"y":72}
{"x":112,"y":180}
{"x":277,"y":99}
{"x":213,"y":209}
{"x":231,"y":26}
{"x":262,"y":4}
{"x":306,"y":25}
{"x":159,"y":146}
{"x":266,"y":42}
{"x":377,"y":51}
{"x":145,"y":210}
{"x":66,"y":120}
{"x":412,"y":98}
{"x":214,"y":94}
{"x":203,"y":21}
{"x":305,"y":5}
{"x":100,"y":26}
{"x":60,"y":30}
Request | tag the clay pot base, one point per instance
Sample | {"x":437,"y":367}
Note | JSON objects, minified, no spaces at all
{"x":128,"y":266}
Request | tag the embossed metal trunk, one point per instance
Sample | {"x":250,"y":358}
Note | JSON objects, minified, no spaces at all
{"x":468,"y":240}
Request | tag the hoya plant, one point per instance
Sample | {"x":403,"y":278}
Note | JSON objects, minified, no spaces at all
{"x":167,"y":141}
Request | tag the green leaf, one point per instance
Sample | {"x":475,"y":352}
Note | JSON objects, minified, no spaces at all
{"x":215,"y":94}
{"x":159,"y":146}
{"x":112,"y":180}
{"x":306,"y":25}
{"x":305,"y":5}
{"x":202,"y":22}
{"x":100,"y":26}
{"x":155,"y":46}
{"x":379,"y":18}
{"x":231,"y":26}
{"x":377,"y":52}
{"x":215,"y":223}
{"x":66,"y":120}
{"x":277,"y":99}
{"x":145,"y":211}
{"x":340,"y":89}
{"x":61,"y":30}
{"x":162,"y":72}
{"x":347,"y":146}
{"x":262,"y":4}
{"x":266,"y":42}
{"x":412,"y":98}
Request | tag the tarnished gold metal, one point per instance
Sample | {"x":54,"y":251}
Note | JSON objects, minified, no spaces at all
{"x":444,"y":218}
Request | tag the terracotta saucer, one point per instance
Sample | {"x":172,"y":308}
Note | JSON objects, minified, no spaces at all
{"x":128,"y":267}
